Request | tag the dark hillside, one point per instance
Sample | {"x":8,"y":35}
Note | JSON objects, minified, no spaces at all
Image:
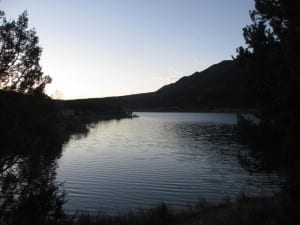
{"x":221,"y":86}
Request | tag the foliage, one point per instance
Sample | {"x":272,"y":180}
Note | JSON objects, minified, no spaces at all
{"x":272,"y":68}
{"x":270,"y":57}
{"x":30,"y":140}
{"x":28,"y":124}
{"x":20,"y":70}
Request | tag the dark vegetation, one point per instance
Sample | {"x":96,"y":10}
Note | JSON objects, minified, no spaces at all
{"x":33,"y":130}
{"x":243,"y":210}
{"x":264,"y":75}
{"x":29,"y":118}
{"x":272,"y":68}
{"x":20,"y":53}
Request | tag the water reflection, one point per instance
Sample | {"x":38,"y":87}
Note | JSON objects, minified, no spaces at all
{"x":29,"y":193}
{"x":157,"y":157}
{"x":122,"y":165}
{"x":194,"y":138}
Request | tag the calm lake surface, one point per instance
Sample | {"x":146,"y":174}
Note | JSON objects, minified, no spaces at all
{"x":177,"y":158}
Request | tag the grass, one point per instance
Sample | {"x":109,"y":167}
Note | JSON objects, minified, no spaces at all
{"x":275,"y":210}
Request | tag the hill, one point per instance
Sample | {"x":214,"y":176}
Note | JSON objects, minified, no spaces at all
{"x":219,"y":87}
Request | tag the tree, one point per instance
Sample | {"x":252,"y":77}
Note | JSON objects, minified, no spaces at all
{"x":271,"y":56}
{"x":272,"y":67}
{"x":20,"y":53}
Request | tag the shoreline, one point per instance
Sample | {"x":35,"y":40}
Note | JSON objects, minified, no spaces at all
{"x":219,"y":110}
{"x":77,"y":122}
{"x":241,"y":210}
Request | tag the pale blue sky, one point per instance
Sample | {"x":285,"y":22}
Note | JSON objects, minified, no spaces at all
{"x":98,"y":48}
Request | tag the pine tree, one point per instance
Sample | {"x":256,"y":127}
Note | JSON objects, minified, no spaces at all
{"x":272,"y":66}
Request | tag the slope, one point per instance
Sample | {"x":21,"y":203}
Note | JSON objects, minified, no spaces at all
{"x":221,"y":86}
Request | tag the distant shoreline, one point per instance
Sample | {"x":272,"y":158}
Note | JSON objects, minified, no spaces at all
{"x":217,"y":110}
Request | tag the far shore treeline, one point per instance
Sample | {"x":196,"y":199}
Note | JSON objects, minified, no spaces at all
{"x":263,"y":77}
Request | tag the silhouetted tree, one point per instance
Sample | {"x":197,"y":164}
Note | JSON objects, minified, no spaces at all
{"x":272,"y":67}
{"x":20,"y":53}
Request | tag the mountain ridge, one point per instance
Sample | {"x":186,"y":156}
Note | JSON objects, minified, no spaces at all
{"x":220,"y":87}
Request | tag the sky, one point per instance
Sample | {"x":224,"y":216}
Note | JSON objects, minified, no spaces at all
{"x":100,"y":48}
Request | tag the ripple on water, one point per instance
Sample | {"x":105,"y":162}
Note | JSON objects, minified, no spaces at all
{"x":178,"y":158}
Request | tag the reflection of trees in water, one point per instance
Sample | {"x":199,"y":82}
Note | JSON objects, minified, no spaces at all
{"x":31,"y":137}
{"x":29,"y":193}
{"x":200,"y":136}
{"x":218,"y":134}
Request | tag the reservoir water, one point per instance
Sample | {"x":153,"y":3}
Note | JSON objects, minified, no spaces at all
{"x":177,"y":158}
